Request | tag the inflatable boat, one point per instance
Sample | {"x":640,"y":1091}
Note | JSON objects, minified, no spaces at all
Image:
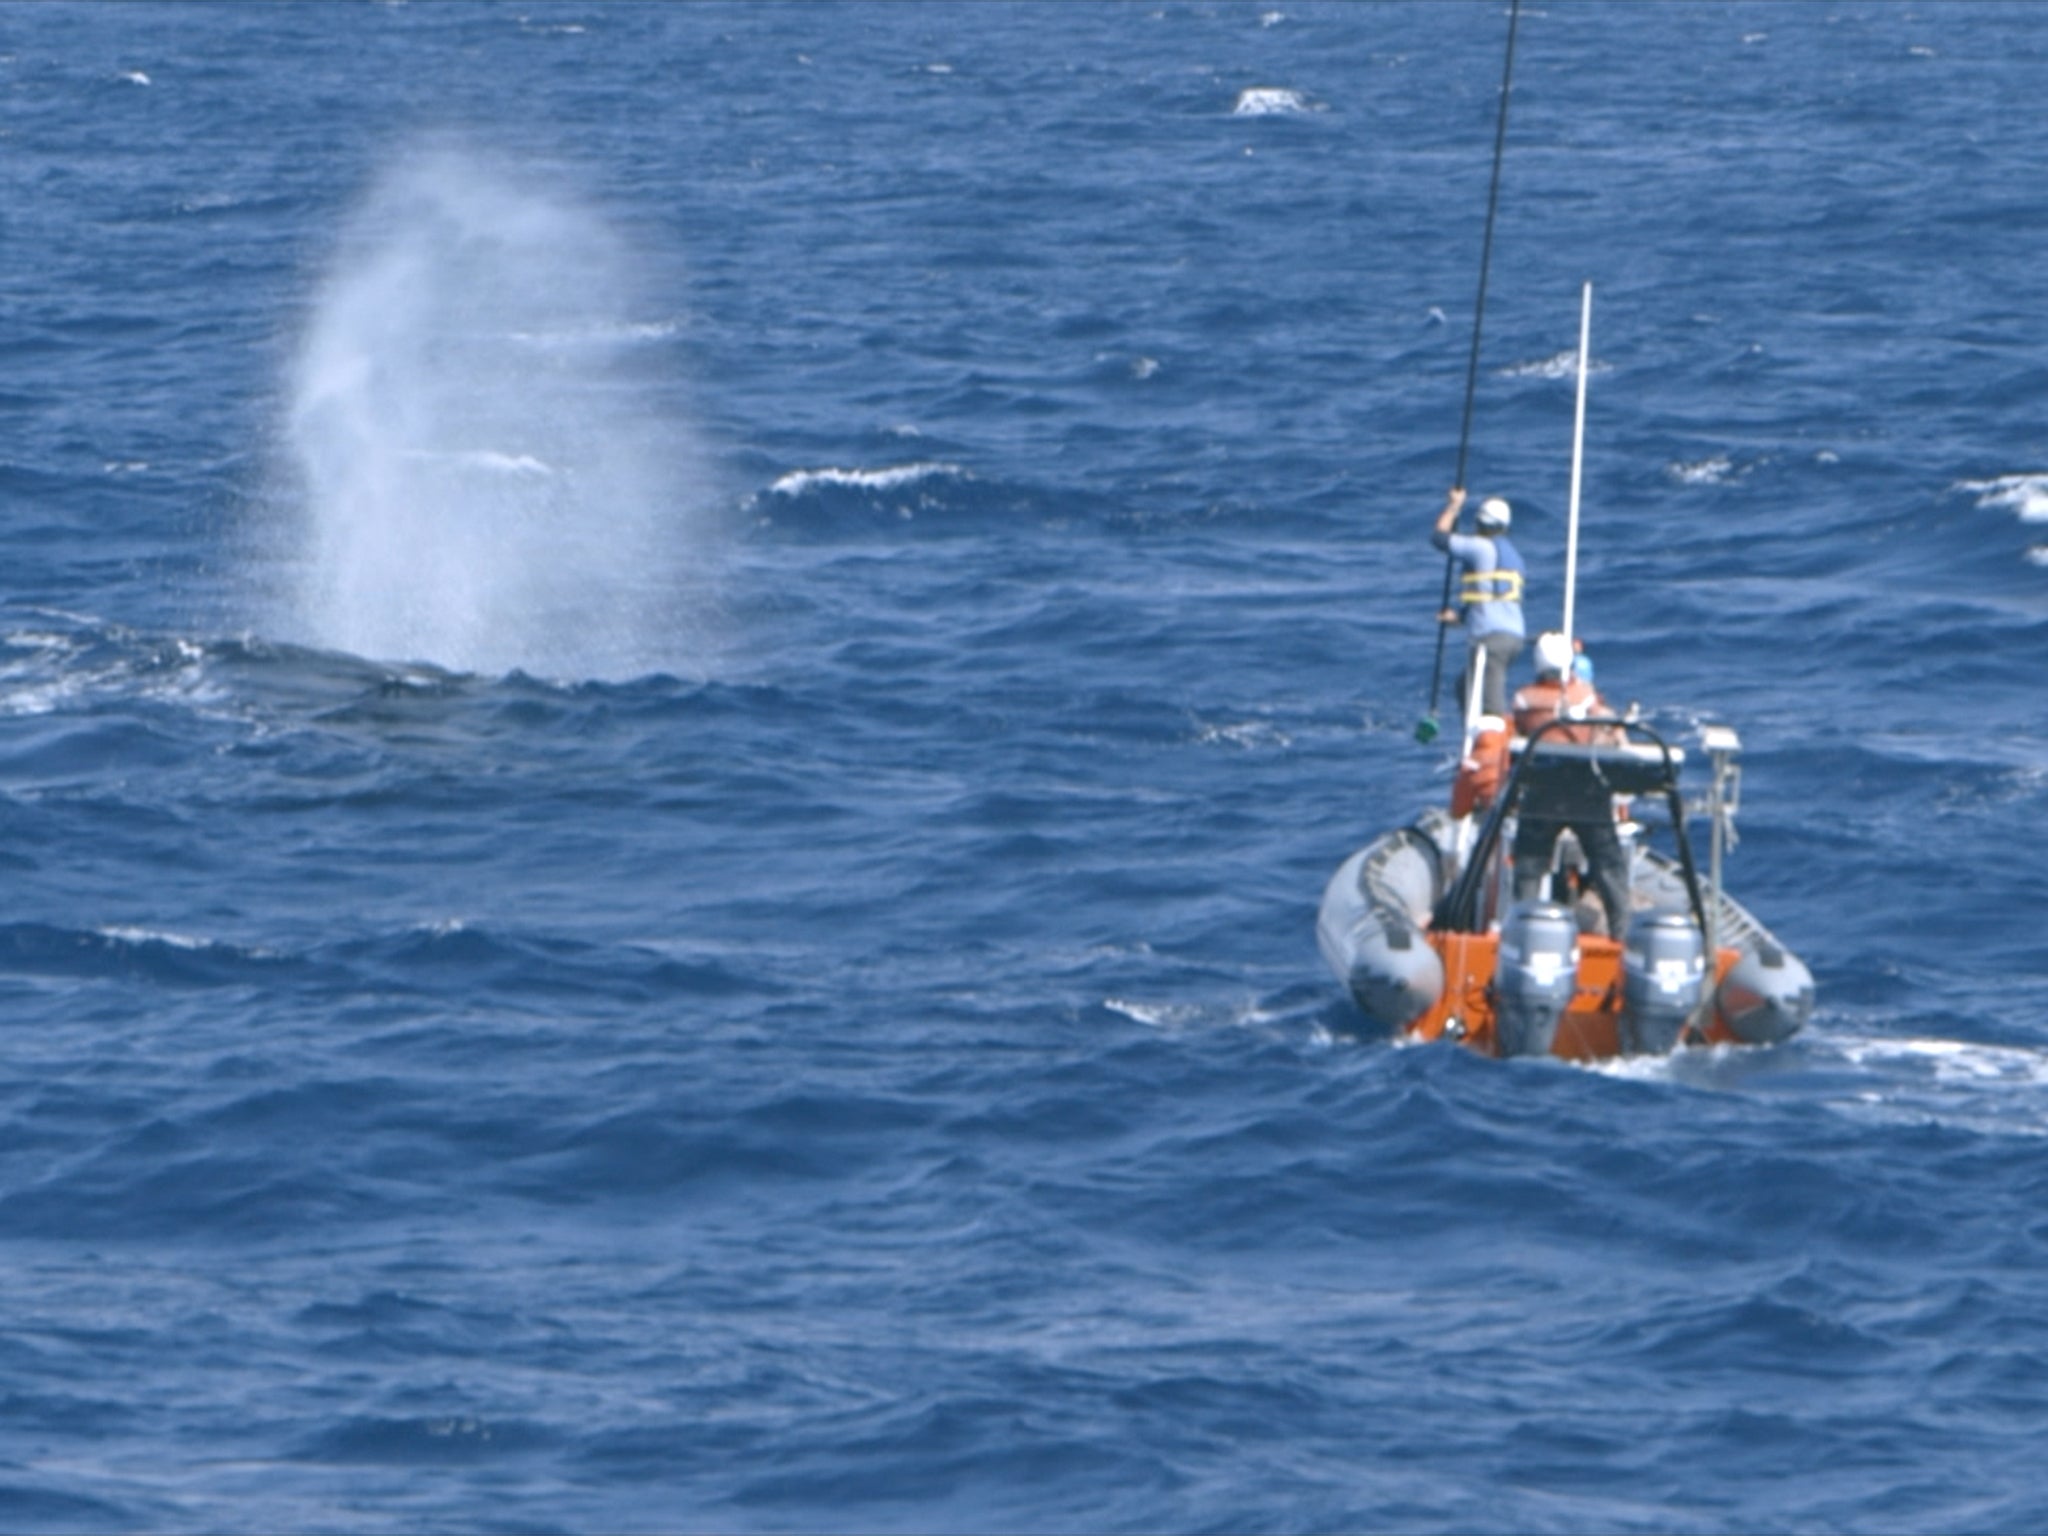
{"x":1422,"y":926}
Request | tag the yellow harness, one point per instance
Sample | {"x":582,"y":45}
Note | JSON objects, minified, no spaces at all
{"x":1495,"y":586}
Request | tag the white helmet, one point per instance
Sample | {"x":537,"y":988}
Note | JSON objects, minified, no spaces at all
{"x":1553,"y":655}
{"x":1494,"y":512}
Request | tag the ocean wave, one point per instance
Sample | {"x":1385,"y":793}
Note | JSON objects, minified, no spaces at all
{"x":132,"y":952}
{"x":2024,"y":495}
{"x":1955,"y":1061}
{"x":1560,"y":365}
{"x":501,"y":1094}
{"x":122,"y":934}
{"x":798,"y":481}
{"x":44,"y":672}
{"x":209,"y":202}
{"x":1717,"y":469}
{"x":1249,"y":734}
{"x":1270,"y":101}
{"x":1243,"y":1012}
{"x":1153,"y":1015}
{"x":1990,"y":1089}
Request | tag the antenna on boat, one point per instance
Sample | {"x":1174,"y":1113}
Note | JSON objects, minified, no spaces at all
{"x":1425,"y":731}
{"x":1571,"y":538}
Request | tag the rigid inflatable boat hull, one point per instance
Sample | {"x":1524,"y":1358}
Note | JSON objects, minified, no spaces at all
{"x":1373,"y":929}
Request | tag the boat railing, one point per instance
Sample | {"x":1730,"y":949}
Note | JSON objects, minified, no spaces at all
{"x":1634,"y":760}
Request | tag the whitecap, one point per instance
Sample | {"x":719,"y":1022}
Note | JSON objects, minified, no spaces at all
{"x":1249,"y":734}
{"x":797,"y":481}
{"x":43,"y":673}
{"x":1717,"y":470}
{"x":1269,"y":101}
{"x":135,"y":76}
{"x":123,"y":934}
{"x":36,"y":639}
{"x":1962,"y":1082}
{"x":2026,"y":495}
{"x":1151,"y":1015}
{"x":1271,"y":18}
{"x":42,"y":699}
{"x":1247,"y":1013}
{"x":1954,"y":1063}
{"x":1564,"y":365}
{"x":1144,"y":367}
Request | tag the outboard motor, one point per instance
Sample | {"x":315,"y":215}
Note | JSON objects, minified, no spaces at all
{"x":1535,"y":972}
{"x":1662,"y":971}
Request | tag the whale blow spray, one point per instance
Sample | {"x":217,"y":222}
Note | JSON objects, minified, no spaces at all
{"x":486,"y":476}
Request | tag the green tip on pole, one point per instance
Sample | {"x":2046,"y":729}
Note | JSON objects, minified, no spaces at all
{"x":1426,"y":731}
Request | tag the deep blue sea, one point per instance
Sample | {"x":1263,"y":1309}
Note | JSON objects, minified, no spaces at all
{"x":677,"y":681}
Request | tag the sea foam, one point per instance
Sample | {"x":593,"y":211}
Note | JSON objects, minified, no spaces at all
{"x":2025,"y":495}
{"x":1269,"y":101}
{"x":797,"y":481}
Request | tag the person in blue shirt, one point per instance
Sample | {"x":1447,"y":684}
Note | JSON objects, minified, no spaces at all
{"x":1489,"y":595}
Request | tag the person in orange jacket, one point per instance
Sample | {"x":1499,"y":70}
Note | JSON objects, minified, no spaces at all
{"x":1484,"y":769}
{"x":1586,"y":811}
{"x":1558,"y":690}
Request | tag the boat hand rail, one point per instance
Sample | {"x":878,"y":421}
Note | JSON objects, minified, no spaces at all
{"x":1460,"y":912}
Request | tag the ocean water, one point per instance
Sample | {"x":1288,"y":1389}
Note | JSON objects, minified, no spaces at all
{"x":676,"y":683}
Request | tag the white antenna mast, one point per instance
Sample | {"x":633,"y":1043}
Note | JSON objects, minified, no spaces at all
{"x":1571,"y":543}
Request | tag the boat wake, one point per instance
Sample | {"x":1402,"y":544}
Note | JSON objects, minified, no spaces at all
{"x":1965,"y":1083}
{"x":1907,"y":1080}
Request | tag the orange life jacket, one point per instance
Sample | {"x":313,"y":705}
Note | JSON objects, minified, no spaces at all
{"x":1480,"y":775}
{"x":1541,"y":702}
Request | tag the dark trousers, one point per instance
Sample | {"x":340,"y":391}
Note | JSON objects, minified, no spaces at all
{"x":1536,"y":839}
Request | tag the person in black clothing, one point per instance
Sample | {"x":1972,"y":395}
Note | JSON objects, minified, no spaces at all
{"x":1562,"y":795}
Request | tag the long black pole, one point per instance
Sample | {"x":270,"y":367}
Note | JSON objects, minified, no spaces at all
{"x":1500,"y":140}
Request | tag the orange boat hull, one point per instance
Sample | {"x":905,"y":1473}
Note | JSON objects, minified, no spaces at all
{"x":1588,"y":1030}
